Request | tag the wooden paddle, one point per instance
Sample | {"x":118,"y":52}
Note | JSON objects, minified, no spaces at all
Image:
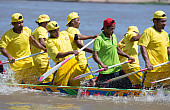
{"x":23,"y":57}
{"x":45,"y":75}
{"x":123,"y":76}
{"x":161,"y":80}
{"x":96,"y":71}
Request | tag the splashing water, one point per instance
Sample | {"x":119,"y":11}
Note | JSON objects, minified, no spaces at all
{"x":162,"y":96}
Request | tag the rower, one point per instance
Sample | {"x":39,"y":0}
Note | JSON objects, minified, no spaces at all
{"x":15,"y":43}
{"x":40,"y":34}
{"x":105,"y":53}
{"x":154,"y":44}
{"x":129,"y":45}
{"x":73,"y":25}
{"x":59,"y":48}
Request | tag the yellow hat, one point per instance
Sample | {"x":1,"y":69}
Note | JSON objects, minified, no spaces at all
{"x":43,"y":18}
{"x":16,"y":17}
{"x":52,"y":25}
{"x":133,"y":28}
{"x":71,"y":16}
{"x":159,"y":14}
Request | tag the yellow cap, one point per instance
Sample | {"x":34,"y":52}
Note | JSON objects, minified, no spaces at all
{"x":52,"y":25}
{"x":43,"y":18}
{"x":159,"y":14}
{"x":71,"y":16}
{"x":16,"y":17}
{"x":133,"y":28}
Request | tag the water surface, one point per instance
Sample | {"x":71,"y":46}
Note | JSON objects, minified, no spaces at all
{"x":91,"y":17}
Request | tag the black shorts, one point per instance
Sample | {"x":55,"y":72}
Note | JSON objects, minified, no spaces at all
{"x":124,"y":83}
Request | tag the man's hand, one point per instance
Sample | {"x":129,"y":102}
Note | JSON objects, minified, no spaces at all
{"x":105,"y":67}
{"x":95,"y":36}
{"x":75,"y":52}
{"x":132,"y":59}
{"x":11,"y":59}
{"x":149,"y":66}
{"x":45,"y":50}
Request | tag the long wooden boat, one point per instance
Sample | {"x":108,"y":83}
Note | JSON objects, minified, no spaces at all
{"x":87,"y":91}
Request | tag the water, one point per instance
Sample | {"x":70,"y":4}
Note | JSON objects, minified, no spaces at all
{"x":91,"y":17}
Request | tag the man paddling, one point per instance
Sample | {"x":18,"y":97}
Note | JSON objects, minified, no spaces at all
{"x":15,"y":44}
{"x":129,"y":46}
{"x":73,"y":25}
{"x":40,"y":34}
{"x":105,"y":53}
{"x":59,"y":48}
{"x":154,"y":44}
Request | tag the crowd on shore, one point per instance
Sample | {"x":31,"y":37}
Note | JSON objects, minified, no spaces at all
{"x":19,"y":42}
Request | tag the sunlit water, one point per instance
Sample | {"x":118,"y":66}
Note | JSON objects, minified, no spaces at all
{"x":91,"y":17}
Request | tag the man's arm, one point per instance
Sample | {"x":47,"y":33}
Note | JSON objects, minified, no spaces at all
{"x":6,"y":54}
{"x":36,"y":43}
{"x":84,"y":37}
{"x":42,"y":42}
{"x":97,"y":60}
{"x":135,"y":38}
{"x":64,"y":54}
{"x":80,"y":45}
{"x":145,"y":57}
{"x":120,"y":52}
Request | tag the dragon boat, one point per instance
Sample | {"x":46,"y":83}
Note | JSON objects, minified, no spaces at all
{"x":87,"y":91}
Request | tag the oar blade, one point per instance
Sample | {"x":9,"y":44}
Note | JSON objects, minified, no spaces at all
{"x":83,"y":75}
{"x":48,"y":73}
{"x":96,"y":71}
{"x":161,"y":80}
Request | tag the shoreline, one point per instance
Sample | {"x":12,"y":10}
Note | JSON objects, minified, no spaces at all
{"x":156,"y":2}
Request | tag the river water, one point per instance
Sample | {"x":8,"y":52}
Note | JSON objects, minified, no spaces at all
{"x":91,"y":17}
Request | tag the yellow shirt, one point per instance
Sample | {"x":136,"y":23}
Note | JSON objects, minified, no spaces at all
{"x":17,"y":45}
{"x":81,"y":56}
{"x":41,"y":60}
{"x":156,"y":44}
{"x":40,"y":32}
{"x":130,"y":48}
{"x":57,"y":45}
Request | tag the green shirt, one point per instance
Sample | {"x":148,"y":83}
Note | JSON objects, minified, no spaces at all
{"x":107,"y":52}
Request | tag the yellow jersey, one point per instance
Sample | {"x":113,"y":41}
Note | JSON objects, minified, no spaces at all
{"x":59,"y":44}
{"x":17,"y":45}
{"x":156,"y":44}
{"x":130,"y":48}
{"x":81,"y":56}
{"x":40,"y":61}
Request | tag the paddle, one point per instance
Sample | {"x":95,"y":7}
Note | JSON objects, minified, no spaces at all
{"x":161,"y":80}
{"x":45,"y":75}
{"x":123,"y":76}
{"x":86,"y":74}
{"x":23,"y":57}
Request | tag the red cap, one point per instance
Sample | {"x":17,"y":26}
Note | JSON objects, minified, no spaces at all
{"x":108,"y":22}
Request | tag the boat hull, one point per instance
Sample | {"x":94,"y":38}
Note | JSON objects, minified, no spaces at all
{"x":86,"y":91}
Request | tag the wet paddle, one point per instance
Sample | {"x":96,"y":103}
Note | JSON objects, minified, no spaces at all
{"x":123,"y":76}
{"x":86,"y":74}
{"x":161,"y":80}
{"x":45,"y":75}
{"x":23,"y":57}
